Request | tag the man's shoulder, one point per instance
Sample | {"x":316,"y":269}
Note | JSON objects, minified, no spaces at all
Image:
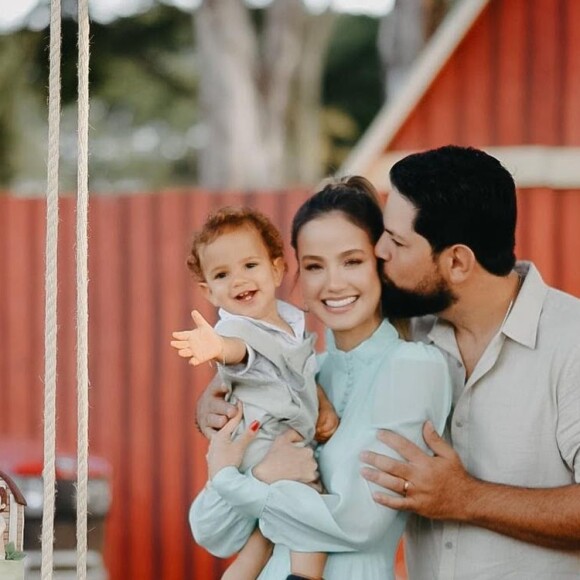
{"x":561,"y":314}
{"x":421,"y":326}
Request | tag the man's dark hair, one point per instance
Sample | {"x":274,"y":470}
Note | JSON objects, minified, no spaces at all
{"x":462,"y":196}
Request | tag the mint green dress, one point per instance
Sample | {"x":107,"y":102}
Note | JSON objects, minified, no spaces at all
{"x":384,"y":383}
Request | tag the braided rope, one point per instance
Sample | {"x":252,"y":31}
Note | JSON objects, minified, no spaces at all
{"x":50,"y":328}
{"x":82,"y":288}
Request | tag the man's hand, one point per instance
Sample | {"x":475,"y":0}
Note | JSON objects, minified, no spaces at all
{"x":225,"y":452}
{"x":328,"y":421}
{"x":212,"y":410}
{"x":436,"y":487}
{"x":202,"y":344}
{"x":286,"y":460}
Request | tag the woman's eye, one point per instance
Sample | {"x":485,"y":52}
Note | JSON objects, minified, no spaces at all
{"x":398,"y":244}
{"x":219,"y":276}
{"x":311,"y":267}
{"x":353,"y":262}
{"x":251,"y":265}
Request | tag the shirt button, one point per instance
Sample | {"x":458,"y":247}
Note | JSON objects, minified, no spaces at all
{"x":459,"y":364}
{"x":459,"y":423}
{"x":449,"y":545}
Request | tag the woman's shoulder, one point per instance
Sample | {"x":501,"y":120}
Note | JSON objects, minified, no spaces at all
{"x":419,"y":366}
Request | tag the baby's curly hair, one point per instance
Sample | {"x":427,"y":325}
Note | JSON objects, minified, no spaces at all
{"x":228,"y":219}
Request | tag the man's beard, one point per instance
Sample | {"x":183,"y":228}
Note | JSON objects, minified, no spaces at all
{"x":429,"y":297}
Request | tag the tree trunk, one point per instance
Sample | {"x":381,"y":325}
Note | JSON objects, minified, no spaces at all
{"x":233,"y":156}
{"x":248,"y":86}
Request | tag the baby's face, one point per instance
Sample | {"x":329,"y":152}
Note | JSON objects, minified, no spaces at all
{"x":239,"y":275}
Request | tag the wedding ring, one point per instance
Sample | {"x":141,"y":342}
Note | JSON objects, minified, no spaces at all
{"x":405,"y":488}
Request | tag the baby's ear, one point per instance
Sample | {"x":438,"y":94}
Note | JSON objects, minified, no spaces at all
{"x":279,"y":266}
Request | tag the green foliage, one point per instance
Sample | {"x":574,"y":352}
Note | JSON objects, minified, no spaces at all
{"x":352,"y":82}
{"x":12,"y":553}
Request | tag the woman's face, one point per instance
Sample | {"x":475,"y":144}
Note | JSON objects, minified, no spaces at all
{"x":339,"y":279}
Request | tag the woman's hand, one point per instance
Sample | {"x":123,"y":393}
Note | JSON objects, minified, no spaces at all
{"x":225,"y":452}
{"x":213,"y":412}
{"x":286,"y":460}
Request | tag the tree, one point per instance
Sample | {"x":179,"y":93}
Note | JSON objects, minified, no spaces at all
{"x":251,"y":74}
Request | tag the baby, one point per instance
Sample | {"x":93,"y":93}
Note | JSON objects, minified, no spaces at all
{"x":262,"y":351}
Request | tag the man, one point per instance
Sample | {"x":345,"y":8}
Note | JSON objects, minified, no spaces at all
{"x":504,"y":501}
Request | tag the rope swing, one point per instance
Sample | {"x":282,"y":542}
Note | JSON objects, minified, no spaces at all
{"x":51,"y":287}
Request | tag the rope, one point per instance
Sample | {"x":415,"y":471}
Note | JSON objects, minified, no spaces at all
{"x":50,"y":327}
{"x":82,"y":288}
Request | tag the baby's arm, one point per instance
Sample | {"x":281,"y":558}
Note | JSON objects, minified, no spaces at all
{"x":203,"y":344}
{"x":327,"y":422}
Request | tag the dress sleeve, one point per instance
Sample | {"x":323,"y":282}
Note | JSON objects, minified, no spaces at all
{"x":217,"y":526}
{"x":348,"y":520}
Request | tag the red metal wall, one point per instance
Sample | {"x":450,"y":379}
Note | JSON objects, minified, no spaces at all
{"x":512,"y":81}
{"x":142,"y":396}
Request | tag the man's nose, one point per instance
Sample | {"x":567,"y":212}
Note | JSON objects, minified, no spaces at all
{"x":382,"y":248}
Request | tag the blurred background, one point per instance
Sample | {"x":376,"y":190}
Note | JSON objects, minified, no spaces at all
{"x":197,"y":104}
{"x":217,"y":94}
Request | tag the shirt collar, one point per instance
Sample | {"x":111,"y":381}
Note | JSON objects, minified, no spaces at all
{"x":522,"y":322}
{"x":289,"y":313}
{"x":524,"y":318}
{"x":368,"y":349}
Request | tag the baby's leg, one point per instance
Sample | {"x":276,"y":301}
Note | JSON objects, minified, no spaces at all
{"x":251,"y":559}
{"x":308,"y":564}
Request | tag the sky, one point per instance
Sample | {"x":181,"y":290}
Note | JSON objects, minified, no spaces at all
{"x":14,"y":12}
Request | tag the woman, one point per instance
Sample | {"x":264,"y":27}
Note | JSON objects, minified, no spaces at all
{"x":374,"y":379}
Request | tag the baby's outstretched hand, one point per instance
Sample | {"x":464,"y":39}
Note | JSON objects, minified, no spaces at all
{"x":327,"y":422}
{"x":199,"y":345}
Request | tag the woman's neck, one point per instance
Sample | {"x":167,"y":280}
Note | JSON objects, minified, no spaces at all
{"x":347,"y":340}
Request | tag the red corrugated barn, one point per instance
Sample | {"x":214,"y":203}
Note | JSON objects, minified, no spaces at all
{"x":502,"y":75}
{"x":499,"y":74}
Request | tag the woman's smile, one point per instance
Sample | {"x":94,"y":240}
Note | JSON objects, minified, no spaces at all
{"x":339,"y":303}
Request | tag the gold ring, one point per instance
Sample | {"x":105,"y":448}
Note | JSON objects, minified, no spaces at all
{"x":405,"y":488}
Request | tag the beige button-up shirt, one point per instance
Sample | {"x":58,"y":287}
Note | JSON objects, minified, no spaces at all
{"x":515,"y":421}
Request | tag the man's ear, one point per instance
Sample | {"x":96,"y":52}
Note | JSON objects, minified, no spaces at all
{"x":456,"y":263}
{"x":206,"y":291}
{"x":279,"y":266}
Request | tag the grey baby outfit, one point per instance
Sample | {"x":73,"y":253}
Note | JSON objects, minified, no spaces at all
{"x":277,"y":385}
